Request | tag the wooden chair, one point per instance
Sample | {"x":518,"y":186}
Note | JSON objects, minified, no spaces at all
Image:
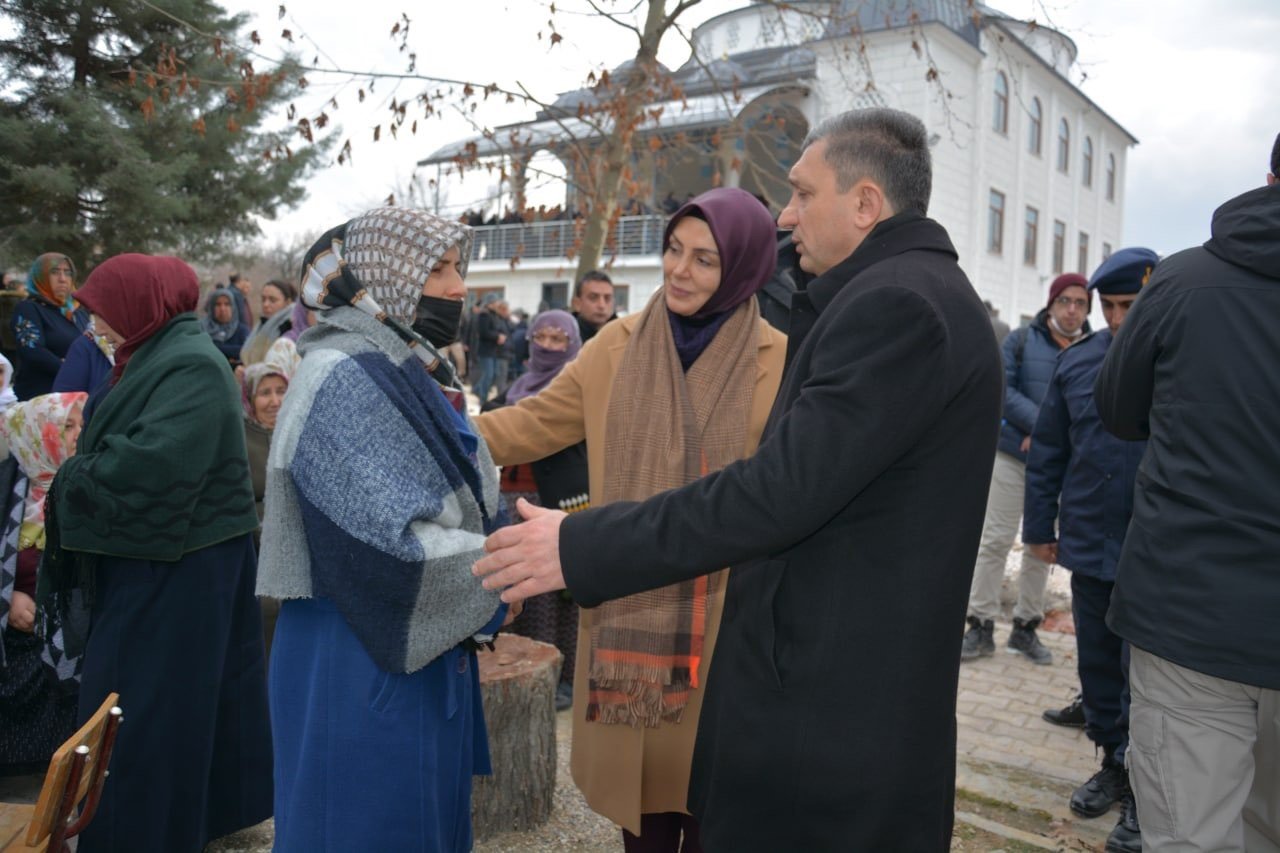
{"x":76,"y":773}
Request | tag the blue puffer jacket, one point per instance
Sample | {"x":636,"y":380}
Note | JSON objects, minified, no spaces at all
{"x":1078,"y":474}
{"x":1030,"y":354}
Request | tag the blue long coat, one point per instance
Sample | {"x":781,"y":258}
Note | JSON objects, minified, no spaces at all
{"x":1078,"y":474}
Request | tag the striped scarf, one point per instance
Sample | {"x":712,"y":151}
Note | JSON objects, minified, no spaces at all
{"x":664,"y":428}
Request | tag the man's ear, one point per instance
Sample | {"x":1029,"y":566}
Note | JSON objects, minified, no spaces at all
{"x":870,"y":204}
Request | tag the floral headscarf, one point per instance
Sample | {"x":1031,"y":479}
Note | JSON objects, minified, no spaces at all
{"x":252,"y":378}
{"x":7,"y":397}
{"x":378,"y":263}
{"x":39,"y":287}
{"x":36,"y":431}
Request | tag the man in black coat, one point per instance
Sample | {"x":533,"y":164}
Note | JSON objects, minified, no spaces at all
{"x":1197,"y":594}
{"x":829,"y":720}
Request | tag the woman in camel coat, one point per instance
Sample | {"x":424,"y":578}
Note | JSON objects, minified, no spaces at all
{"x":660,"y":397}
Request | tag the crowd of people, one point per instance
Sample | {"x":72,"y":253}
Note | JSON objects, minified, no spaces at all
{"x":703,"y":511}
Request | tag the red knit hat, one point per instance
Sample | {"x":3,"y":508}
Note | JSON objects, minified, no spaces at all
{"x":1069,"y":279}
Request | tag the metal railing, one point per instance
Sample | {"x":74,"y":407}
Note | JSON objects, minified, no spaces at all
{"x":633,"y":235}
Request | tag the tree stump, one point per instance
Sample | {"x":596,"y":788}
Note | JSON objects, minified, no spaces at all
{"x":518,"y":685}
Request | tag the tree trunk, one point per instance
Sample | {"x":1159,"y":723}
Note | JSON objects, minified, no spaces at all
{"x":518,"y":685}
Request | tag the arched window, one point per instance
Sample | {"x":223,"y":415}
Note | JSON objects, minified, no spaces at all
{"x":1000,"y":114}
{"x":1111,"y":177}
{"x":1035,"y":131}
{"x":1086,"y":162}
{"x":1064,"y":146}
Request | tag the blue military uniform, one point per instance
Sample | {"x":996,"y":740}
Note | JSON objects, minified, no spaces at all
{"x":1079,"y":493}
{"x":1082,"y":477}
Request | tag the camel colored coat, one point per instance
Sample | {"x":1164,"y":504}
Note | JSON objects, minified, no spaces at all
{"x":623,"y":771}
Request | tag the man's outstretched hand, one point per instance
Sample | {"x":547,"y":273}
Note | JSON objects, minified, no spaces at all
{"x":523,"y":560}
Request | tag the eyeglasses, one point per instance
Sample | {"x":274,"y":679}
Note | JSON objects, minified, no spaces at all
{"x":545,"y":337}
{"x":1067,"y":302}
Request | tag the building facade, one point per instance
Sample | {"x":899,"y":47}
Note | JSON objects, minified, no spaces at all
{"x":1028,"y":172}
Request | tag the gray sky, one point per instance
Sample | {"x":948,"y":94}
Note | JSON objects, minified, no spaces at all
{"x":1196,"y":81}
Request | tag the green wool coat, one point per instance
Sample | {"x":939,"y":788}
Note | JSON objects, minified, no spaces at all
{"x":161,"y":468}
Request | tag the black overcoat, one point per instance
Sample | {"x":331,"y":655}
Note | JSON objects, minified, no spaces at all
{"x":829,"y":721}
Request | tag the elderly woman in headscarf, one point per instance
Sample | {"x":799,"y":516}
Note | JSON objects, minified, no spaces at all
{"x":45,"y":324}
{"x":262,"y":386}
{"x":222,"y":325}
{"x":680,"y":389}
{"x":37,"y":713}
{"x":379,"y":496}
{"x":559,"y":481}
{"x":152,"y":521}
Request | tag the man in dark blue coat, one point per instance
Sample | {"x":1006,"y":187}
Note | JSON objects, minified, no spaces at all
{"x":856,"y":520}
{"x":1029,"y":355}
{"x":1080,"y":479}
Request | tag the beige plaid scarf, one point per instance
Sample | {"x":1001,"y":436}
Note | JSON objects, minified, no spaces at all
{"x":665,"y":428}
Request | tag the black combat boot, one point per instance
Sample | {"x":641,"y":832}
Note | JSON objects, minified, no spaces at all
{"x":1103,"y":790}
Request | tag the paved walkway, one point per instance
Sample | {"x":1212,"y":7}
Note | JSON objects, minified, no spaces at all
{"x":1006,"y":752}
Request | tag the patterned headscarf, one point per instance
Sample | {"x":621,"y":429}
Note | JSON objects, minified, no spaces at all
{"x":36,"y":431}
{"x":39,"y":287}
{"x":252,"y":378}
{"x":378,"y":263}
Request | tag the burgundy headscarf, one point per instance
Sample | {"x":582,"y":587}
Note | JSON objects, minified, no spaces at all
{"x":137,"y":295}
{"x":746,"y":238}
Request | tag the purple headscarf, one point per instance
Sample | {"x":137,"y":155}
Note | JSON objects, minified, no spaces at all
{"x":299,"y":322}
{"x":746,"y":239}
{"x":545,"y":364}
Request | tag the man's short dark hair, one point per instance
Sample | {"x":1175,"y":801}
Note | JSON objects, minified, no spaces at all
{"x":593,"y":275}
{"x":888,"y":146}
{"x":1275,"y":157}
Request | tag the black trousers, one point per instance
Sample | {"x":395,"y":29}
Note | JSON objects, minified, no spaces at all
{"x":1102,"y":661}
{"x":660,"y":832}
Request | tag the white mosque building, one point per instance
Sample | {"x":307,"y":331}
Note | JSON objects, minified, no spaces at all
{"x":1028,"y":172}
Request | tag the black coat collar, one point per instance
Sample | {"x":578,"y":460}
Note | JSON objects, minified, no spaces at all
{"x":902,"y":232}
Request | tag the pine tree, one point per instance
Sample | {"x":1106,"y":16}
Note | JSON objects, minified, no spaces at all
{"x":130,"y":128}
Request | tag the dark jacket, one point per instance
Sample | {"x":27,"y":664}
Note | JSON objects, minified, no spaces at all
{"x":43,"y":336}
{"x":1029,"y":355}
{"x":231,"y":346}
{"x":1193,"y":369}
{"x":775,"y":297}
{"x":857,"y":518}
{"x":1078,"y":474}
{"x":489,"y":325}
{"x":84,"y":369}
{"x":586,"y":330}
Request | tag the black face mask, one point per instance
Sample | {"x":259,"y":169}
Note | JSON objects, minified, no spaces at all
{"x":438,"y":320}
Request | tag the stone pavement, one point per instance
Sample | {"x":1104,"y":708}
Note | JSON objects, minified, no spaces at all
{"x":1007,"y":753}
